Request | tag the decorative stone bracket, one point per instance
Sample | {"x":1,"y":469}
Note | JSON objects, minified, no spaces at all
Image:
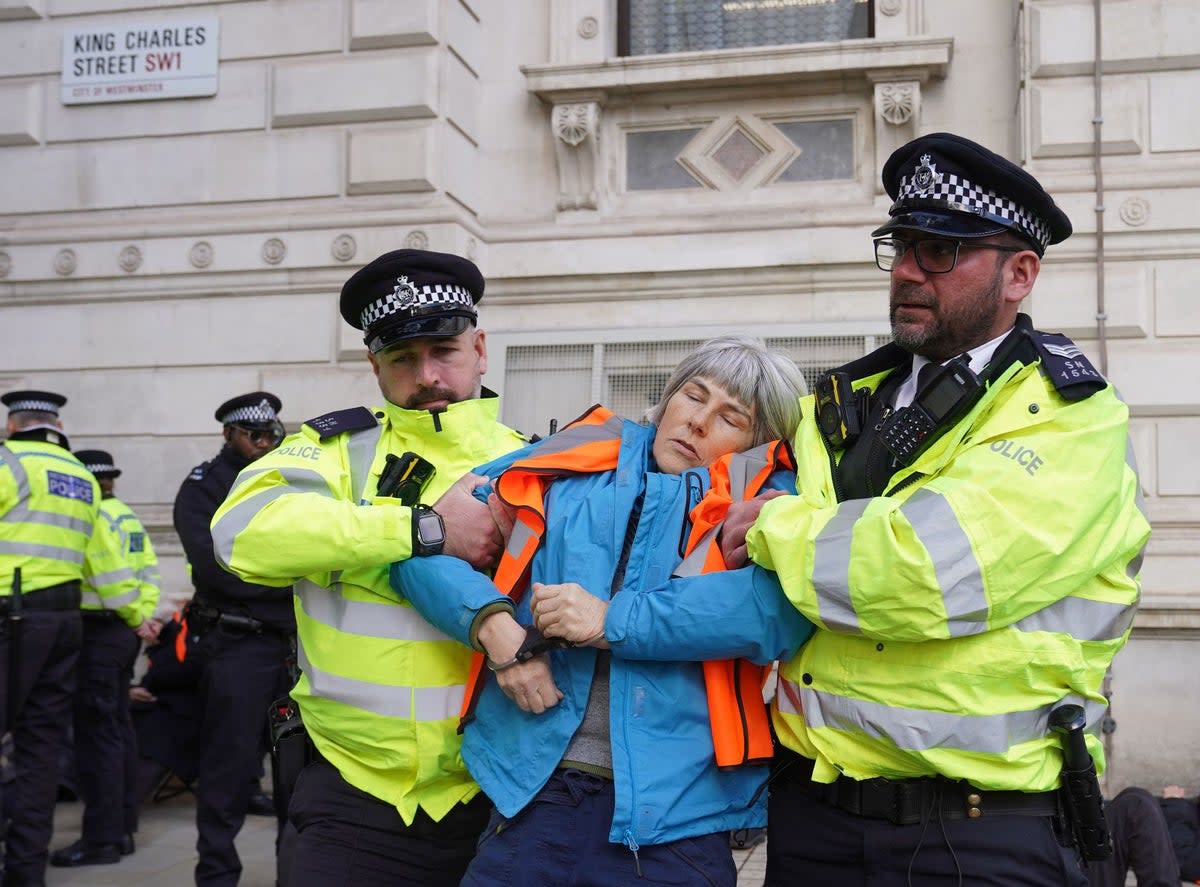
{"x":577,"y":147}
{"x":897,"y":115}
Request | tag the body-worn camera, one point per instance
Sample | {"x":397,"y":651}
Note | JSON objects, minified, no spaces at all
{"x":840,"y":410}
{"x":405,"y":477}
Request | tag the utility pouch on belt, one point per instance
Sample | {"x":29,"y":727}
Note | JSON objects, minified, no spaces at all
{"x":291,"y":750}
{"x":1082,"y":803}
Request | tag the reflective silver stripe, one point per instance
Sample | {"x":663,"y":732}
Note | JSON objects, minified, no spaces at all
{"x":520,"y":535}
{"x":50,"y":552}
{"x":236,"y":519}
{"x":916,"y":730}
{"x":958,"y":573}
{"x":389,"y":701}
{"x":1084,"y":619}
{"x":743,"y":467}
{"x":831,"y":567}
{"x":693,"y":564}
{"x":1135,"y":565}
{"x":149,"y":575}
{"x":13,"y":461}
{"x":569,"y":438}
{"x":360,"y":452}
{"x":119,"y":575}
{"x":69,"y":460}
{"x":21,"y":514}
{"x":374,"y":620}
{"x":93,"y":599}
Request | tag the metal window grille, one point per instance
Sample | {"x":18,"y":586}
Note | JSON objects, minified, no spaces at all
{"x":649,"y":27}
{"x":558,"y":382}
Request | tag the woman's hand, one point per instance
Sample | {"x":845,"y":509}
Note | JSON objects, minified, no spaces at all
{"x":567,"y":611}
{"x":529,"y":684}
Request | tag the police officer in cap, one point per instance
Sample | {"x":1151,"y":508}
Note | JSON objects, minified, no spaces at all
{"x":246,"y":630}
{"x":49,"y":505}
{"x":967,"y":541}
{"x":116,"y":619}
{"x":388,"y":796}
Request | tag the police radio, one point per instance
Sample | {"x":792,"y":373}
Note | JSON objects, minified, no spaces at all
{"x":841,"y":412}
{"x":941,"y":402}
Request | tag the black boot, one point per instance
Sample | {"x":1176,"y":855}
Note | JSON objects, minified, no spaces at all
{"x":83,"y":853}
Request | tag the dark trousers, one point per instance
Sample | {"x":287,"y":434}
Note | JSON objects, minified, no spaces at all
{"x":50,"y":641}
{"x":810,"y":842}
{"x":1141,"y":842}
{"x":241,"y":675}
{"x":561,"y":837}
{"x":101,"y":716}
{"x":346,"y":836}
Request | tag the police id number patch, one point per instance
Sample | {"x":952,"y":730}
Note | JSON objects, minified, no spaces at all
{"x":137,"y":542}
{"x":69,"y":487}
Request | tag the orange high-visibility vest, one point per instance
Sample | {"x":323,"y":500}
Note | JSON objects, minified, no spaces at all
{"x":591,"y":444}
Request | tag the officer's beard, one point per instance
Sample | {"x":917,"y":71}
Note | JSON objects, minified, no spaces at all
{"x":425,"y":395}
{"x":945,"y":335}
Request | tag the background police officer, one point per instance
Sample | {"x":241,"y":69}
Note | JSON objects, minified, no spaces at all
{"x":970,"y":561}
{"x":119,"y":599}
{"x":245,"y":645}
{"x":389,"y":798}
{"x":49,"y":504}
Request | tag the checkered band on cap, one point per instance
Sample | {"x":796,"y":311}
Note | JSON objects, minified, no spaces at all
{"x":33,"y":405}
{"x":407,"y":297}
{"x":260,"y":412}
{"x":100,"y":467}
{"x":956,"y":193}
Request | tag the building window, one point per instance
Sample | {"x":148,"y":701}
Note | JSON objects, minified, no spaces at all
{"x":651,"y":27}
{"x":558,"y":382}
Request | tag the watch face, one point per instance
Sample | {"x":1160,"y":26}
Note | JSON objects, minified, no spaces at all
{"x":430,"y":531}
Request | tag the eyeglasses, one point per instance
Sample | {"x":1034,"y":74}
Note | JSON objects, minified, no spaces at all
{"x":934,"y":256}
{"x":259,"y":436}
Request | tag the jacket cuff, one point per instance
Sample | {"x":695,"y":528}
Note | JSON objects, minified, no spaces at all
{"x":485,"y":611}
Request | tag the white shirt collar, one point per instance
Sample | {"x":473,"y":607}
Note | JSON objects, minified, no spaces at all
{"x":979,"y":357}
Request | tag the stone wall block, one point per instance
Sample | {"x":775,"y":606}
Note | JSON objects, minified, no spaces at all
{"x":1174,"y":111}
{"x":393,"y":160}
{"x":11,"y":10}
{"x":1064,"y":300}
{"x":462,"y":94}
{"x":384,"y":24}
{"x":392,"y":86}
{"x":460,"y":170}
{"x":1175,"y":309}
{"x":1136,"y":35}
{"x":281,"y":28}
{"x":1063,"y":111}
{"x":1179,"y":470}
{"x":1155,"y":380}
{"x":90,"y":7}
{"x":464,"y":35}
{"x":20,"y":114}
{"x":171,"y":172}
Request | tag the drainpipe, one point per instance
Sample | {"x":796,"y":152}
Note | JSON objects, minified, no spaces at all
{"x":1098,"y":172}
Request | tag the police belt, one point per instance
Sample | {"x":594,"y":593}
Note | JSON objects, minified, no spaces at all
{"x":911,"y":801}
{"x":64,"y":596}
{"x":203,"y":618}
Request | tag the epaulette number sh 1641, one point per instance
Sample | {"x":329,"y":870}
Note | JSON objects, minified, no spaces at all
{"x":341,"y":421}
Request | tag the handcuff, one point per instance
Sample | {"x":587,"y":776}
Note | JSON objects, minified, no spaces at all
{"x":535,"y":644}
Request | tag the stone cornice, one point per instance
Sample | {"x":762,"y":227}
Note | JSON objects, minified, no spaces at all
{"x":918,"y":59}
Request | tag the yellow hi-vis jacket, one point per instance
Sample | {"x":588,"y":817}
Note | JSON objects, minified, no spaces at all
{"x":994,"y":580}
{"x":48,"y":508}
{"x":380,"y":687}
{"x":126,"y":578}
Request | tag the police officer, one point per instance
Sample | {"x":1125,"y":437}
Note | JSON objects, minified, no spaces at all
{"x":968,"y":551}
{"x":388,"y":798}
{"x":119,"y":598}
{"x":49,"y":504}
{"x":245,"y":641}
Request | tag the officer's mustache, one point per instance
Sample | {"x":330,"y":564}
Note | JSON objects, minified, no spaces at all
{"x":910,"y":294}
{"x":424,"y":395}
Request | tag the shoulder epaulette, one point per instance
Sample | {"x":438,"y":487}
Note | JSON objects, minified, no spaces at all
{"x":199,"y":471}
{"x":1067,"y":368}
{"x":341,"y":421}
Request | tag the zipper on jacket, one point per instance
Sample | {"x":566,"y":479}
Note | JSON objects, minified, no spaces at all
{"x":907,"y":482}
{"x":691,"y":482}
{"x":632,"y":844}
{"x":838,"y":492}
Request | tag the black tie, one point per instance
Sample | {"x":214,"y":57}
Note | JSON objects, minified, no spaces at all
{"x":926,"y":373}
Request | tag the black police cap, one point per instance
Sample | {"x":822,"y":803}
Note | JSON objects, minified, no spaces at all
{"x":951,"y":186}
{"x":409,"y":293}
{"x":98,"y":462}
{"x":33,"y":401}
{"x":258,"y":408}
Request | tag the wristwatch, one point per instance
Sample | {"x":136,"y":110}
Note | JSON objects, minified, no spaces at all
{"x":428,"y":531}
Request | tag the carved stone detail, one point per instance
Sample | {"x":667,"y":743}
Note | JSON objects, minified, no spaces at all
{"x":577,"y":149}
{"x":66,"y":262}
{"x":201,"y":254}
{"x":588,"y":27}
{"x":472,"y":249}
{"x":130,"y":259}
{"x":6,"y":264}
{"x":891,"y":7}
{"x":1135,"y":211}
{"x":897,"y":102}
{"x":274,"y":251}
{"x":344,"y":247}
{"x":416,"y":239}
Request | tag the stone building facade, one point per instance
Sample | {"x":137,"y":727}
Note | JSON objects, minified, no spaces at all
{"x":158,"y":256}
